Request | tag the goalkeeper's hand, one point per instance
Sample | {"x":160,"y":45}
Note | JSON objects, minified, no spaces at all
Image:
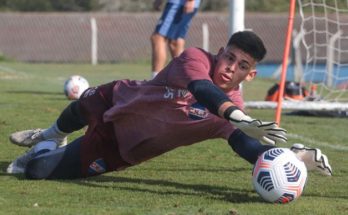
{"x":313,"y":158}
{"x":266,"y":132}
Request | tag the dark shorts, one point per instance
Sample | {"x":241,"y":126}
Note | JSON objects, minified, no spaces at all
{"x":174,"y":23}
{"x":99,"y":148}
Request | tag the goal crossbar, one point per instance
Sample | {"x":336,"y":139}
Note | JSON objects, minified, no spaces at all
{"x":299,"y":105}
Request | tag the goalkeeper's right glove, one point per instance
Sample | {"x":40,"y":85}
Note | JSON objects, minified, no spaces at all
{"x":266,"y":132}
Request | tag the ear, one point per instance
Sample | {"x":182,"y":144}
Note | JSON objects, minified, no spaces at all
{"x":221,"y":50}
{"x":251,"y":75}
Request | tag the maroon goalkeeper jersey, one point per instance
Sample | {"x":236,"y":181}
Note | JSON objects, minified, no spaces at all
{"x":154,"y":117}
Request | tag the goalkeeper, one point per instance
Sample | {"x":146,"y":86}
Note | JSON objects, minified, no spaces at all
{"x":196,"y":97}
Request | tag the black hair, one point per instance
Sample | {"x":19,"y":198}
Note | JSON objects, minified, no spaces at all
{"x":250,"y":43}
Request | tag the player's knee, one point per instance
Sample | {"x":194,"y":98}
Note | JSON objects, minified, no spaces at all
{"x":156,"y":38}
{"x":45,"y":164}
{"x":176,"y":47}
{"x":153,"y":38}
{"x":38,"y":168}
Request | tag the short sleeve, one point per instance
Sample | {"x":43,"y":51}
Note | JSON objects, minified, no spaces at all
{"x":192,"y":64}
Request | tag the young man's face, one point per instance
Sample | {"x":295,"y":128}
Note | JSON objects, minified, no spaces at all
{"x":233,"y":66}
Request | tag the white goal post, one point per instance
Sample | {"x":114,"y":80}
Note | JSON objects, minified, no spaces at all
{"x":324,"y":47}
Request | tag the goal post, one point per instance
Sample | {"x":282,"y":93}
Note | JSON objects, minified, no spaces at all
{"x":236,"y":16}
{"x":323,"y":49}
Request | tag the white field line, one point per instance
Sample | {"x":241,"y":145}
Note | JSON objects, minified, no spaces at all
{"x":11,"y":70}
{"x":314,"y":142}
{"x":8,"y":69}
{"x":10,"y":73}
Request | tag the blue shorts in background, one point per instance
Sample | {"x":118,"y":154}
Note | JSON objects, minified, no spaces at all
{"x":174,"y":23}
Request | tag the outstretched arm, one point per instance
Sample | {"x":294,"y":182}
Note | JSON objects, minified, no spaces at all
{"x":217,"y":102}
{"x":246,"y":147}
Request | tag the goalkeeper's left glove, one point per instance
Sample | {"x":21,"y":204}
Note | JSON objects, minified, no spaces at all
{"x":313,"y":158}
{"x":266,"y":132}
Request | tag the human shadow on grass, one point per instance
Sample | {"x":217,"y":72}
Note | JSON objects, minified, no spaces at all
{"x":3,"y":167}
{"x":164,"y":188}
{"x":172,"y":166}
{"x":157,"y":186}
{"x":195,"y":169}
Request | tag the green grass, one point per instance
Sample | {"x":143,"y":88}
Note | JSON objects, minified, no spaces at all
{"x":206,"y":178}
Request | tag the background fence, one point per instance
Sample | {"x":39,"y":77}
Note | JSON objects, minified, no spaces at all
{"x":66,"y":37}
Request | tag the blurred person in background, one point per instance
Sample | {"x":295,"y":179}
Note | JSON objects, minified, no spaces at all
{"x":171,"y":30}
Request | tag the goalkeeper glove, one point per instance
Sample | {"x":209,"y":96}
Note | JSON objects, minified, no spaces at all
{"x":313,"y":158}
{"x":266,"y":132}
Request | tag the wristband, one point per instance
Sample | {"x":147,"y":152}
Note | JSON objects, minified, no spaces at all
{"x":229,"y":110}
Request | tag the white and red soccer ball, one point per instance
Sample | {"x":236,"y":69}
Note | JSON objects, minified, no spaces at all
{"x":75,"y":86}
{"x":279,"y":176}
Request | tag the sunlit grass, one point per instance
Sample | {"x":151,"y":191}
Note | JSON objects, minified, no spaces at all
{"x":206,"y":178}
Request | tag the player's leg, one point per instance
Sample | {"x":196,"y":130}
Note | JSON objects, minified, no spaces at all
{"x":70,"y":120}
{"x":176,"y":47}
{"x":89,"y":108}
{"x":61,"y":163}
{"x":160,"y":36}
{"x":19,"y":164}
{"x":93,"y":154}
{"x":178,"y":31}
{"x":159,"y":53}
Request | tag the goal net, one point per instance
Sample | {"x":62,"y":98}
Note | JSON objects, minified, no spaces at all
{"x":324,"y":49}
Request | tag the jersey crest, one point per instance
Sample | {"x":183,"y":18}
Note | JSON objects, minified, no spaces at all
{"x":198,"y":111}
{"x":97,"y":167}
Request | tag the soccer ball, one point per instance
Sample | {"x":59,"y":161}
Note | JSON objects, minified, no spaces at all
{"x":279,"y":176}
{"x":75,"y":86}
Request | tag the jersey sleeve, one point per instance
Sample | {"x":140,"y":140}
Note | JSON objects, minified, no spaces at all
{"x":224,"y":128}
{"x":192,"y":64}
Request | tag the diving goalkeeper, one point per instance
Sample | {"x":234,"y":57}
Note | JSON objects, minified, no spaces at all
{"x":194,"y":98}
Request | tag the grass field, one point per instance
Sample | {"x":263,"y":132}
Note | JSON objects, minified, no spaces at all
{"x":206,"y":178}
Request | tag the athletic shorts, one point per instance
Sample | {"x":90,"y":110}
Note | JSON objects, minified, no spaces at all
{"x":174,"y":23}
{"x":99,"y":148}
